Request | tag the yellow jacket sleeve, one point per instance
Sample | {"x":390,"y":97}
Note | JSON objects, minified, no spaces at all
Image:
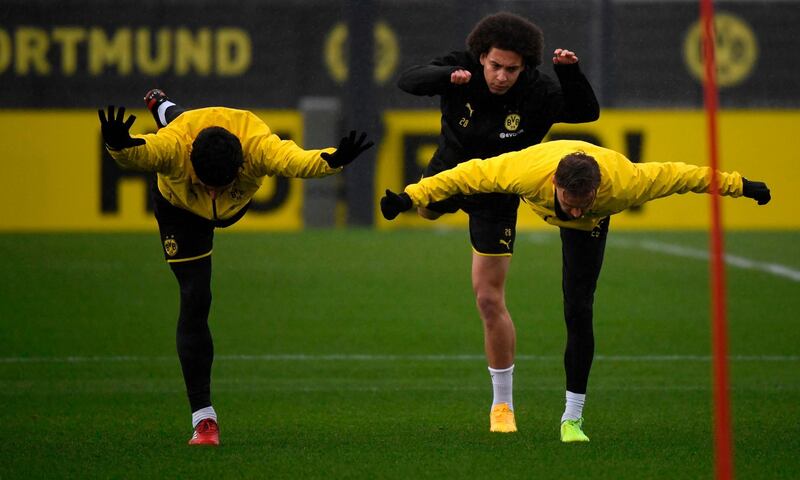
{"x":657,"y":180}
{"x":497,"y":174}
{"x":273,"y":156}
{"x":161,"y":153}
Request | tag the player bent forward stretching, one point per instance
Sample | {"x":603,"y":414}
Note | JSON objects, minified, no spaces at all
{"x":208,"y":164}
{"x":575,"y":186}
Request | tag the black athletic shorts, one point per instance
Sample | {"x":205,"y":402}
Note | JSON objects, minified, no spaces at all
{"x":184,"y":235}
{"x":492,"y":217}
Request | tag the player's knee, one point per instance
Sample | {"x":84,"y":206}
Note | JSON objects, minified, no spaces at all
{"x":196,"y":296}
{"x":579,"y":327}
{"x":194,"y":279}
{"x":578,"y":312}
{"x":491,"y":304}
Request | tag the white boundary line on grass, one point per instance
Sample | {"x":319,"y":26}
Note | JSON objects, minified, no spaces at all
{"x":390,"y":358}
{"x":696,"y":253}
{"x":776,"y":269}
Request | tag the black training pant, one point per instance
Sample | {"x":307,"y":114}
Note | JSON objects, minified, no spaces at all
{"x":193,"y":337}
{"x":582,"y":257}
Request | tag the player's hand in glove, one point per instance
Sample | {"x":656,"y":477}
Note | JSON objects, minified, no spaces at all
{"x":758,"y":191}
{"x":115,"y":131}
{"x":349,"y":148}
{"x":392,"y":204}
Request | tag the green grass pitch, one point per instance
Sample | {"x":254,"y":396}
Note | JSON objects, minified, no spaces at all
{"x":358,"y":354}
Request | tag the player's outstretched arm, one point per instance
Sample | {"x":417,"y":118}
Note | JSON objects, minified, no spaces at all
{"x":758,"y":191}
{"x":349,"y":148}
{"x":116,"y":132}
{"x":392,"y":204}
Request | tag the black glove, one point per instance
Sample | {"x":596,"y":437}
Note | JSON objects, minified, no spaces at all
{"x":349,"y":148}
{"x":392,"y":204}
{"x":115,"y":131}
{"x":758,"y":191}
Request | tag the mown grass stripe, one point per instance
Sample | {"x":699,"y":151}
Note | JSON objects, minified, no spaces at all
{"x":382,"y":358}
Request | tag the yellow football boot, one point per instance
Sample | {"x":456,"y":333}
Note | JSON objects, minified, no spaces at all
{"x":572,"y":431}
{"x":501,"y":419}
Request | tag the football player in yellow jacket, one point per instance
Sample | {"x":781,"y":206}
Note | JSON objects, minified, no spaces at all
{"x":576,"y":186}
{"x":208,"y":163}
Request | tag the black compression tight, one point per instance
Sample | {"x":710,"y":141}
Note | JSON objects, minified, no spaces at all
{"x":582,"y":256}
{"x":195,"y":347}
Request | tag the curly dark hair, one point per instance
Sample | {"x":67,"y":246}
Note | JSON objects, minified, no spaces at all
{"x":507,"y":31}
{"x":578,"y":173}
{"x":216,"y":156}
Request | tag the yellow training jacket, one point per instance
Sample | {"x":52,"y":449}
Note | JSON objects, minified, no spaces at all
{"x":265,"y":154}
{"x":529,"y":174}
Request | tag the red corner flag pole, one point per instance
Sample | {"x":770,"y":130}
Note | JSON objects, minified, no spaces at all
{"x":722,"y":416}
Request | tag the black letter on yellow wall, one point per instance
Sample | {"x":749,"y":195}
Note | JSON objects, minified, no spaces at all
{"x":582,"y":136}
{"x":110,"y":176}
{"x":633,"y":150}
{"x":412,"y":169}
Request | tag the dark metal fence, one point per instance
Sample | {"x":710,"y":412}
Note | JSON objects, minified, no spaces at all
{"x":269,"y":54}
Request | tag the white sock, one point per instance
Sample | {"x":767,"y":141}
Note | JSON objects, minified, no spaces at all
{"x":202,"y":414}
{"x":162,"y":112}
{"x":503,"y":385}
{"x":574,"y":408}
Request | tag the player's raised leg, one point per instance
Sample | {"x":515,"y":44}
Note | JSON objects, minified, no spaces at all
{"x":161,"y":107}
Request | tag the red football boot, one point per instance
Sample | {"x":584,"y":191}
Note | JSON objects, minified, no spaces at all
{"x":205,"y":433}
{"x":152,"y":100}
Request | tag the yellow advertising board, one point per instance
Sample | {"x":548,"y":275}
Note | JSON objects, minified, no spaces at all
{"x":760,"y":144}
{"x":57,"y":176}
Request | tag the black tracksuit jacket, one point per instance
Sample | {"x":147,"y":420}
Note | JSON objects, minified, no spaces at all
{"x":479,"y":124}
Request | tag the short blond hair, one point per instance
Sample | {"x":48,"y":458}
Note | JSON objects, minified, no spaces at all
{"x":578,"y":173}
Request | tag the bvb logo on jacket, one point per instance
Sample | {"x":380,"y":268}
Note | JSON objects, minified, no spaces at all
{"x":511,"y":123}
{"x":236,"y":194}
{"x":170,"y":245}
